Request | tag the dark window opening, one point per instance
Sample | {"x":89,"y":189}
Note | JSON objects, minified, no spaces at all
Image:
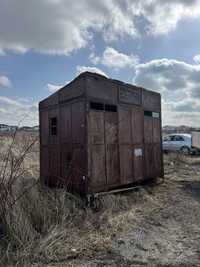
{"x":111,"y":108}
{"x":96,"y":106}
{"x":148,"y":113}
{"x":53,"y":126}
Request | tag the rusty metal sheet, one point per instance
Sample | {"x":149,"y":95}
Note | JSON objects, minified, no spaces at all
{"x":54,"y":165}
{"x":156,"y":130}
{"x":66,"y":160}
{"x":126,"y":164}
{"x":138,"y":163}
{"x":79,"y":169}
{"x":78,"y":123}
{"x":65,"y":124}
{"x":96,"y":127}
{"x":124,"y":125}
{"x":73,"y":90}
{"x":44,"y":163}
{"x":130,"y":94}
{"x":112,"y":165}
{"x":100,"y":87}
{"x":44,"y":127}
{"x":151,"y":100}
{"x":49,"y":101}
{"x":98,"y":172}
{"x":149,"y":161}
{"x":137,"y":125}
{"x":148,"y":129}
{"x":111,"y":127}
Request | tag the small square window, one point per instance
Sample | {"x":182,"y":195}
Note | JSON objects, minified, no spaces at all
{"x":53,"y":126}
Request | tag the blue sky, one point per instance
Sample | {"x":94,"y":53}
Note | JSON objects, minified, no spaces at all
{"x":45,"y":43}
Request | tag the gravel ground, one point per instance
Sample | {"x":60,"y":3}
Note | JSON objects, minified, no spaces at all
{"x":164,"y":228}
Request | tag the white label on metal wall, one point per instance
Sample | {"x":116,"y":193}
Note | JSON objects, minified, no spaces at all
{"x":155,"y":115}
{"x":138,"y":152}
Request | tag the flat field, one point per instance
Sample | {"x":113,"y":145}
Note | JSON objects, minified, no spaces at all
{"x":156,"y":225}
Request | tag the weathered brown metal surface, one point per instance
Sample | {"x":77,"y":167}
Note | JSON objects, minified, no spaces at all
{"x":113,"y":142}
{"x":138,"y":163}
{"x":151,"y":100}
{"x":78,"y":123}
{"x":111,"y":147}
{"x":126,"y":164}
{"x":44,"y":127}
{"x":98,"y":87}
{"x":96,"y":151}
{"x":65,"y":125}
{"x":130,"y":94}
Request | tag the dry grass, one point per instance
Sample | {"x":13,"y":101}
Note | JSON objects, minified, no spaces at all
{"x":54,"y":228}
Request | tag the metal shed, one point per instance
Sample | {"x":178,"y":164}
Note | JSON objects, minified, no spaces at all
{"x":99,"y":134}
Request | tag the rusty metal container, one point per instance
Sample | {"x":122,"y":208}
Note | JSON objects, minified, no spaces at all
{"x":99,"y":134}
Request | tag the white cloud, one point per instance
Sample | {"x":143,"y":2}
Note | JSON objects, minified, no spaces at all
{"x":18,"y":111}
{"x":61,"y":26}
{"x":197,"y":59}
{"x":81,"y":69}
{"x":115,"y":59}
{"x":179,"y":84}
{"x":4,"y":81}
{"x":52,"y":88}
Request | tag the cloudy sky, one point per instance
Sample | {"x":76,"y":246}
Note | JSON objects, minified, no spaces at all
{"x":45,"y":43}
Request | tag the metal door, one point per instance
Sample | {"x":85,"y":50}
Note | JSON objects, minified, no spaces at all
{"x":137,"y":141}
{"x":125,"y":145}
{"x":152,"y":143}
{"x":96,"y":151}
{"x":103,"y":158}
{"x":111,"y":147}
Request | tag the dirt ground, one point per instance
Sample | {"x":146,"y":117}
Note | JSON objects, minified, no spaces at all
{"x":158,"y":225}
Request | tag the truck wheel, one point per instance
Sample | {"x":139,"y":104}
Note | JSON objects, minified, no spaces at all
{"x":185,"y":150}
